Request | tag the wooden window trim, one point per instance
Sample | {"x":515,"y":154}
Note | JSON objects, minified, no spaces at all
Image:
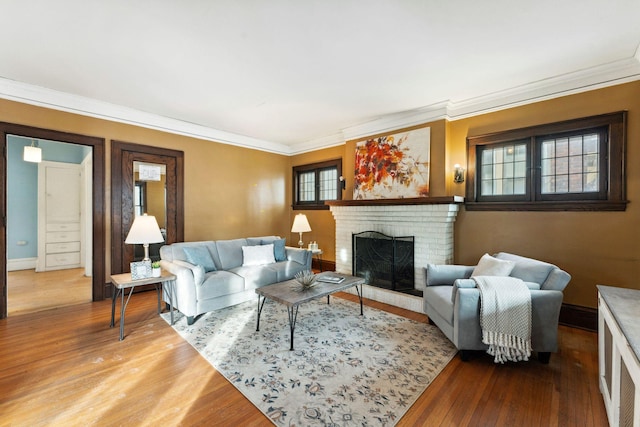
{"x":318,"y":204}
{"x":616,"y":151}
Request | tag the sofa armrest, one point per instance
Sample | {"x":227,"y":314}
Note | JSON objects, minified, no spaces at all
{"x":185,"y":285}
{"x":196,"y":270}
{"x":299,"y":255}
{"x":437,"y":275}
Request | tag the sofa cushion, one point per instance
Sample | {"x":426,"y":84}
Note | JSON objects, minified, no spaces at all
{"x":286,"y":270}
{"x":256,"y":275}
{"x":528,"y":269}
{"x":254,"y":241}
{"x":199,"y":255}
{"x":230,"y":252}
{"x":218,"y":284}
{"x":258,"y":255}
{"x":278,"y":250}
{"x":490,"y":266}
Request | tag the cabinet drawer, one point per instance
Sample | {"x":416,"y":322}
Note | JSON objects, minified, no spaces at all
{"x":55,"y":260}
{"x":70,"y":226}
{"x":63,"y":236}
{"x":57,"y":248}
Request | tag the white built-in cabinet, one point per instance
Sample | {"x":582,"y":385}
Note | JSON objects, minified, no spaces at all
{"x":618,"y":352}
{"x":59,"y":216}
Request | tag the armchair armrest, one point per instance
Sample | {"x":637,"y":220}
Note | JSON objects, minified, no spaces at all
{"x":437,"y":275}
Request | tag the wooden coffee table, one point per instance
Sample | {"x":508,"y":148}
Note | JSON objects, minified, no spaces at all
{"x":289,"y":294}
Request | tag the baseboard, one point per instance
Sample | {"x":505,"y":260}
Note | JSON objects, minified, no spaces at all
{"x":21,"y":264}
{"x":579,"y":317}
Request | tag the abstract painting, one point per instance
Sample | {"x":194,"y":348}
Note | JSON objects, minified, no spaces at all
{"x":393,"y":166}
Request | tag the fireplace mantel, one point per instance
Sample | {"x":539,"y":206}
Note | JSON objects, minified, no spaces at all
{"x":398,"y":202}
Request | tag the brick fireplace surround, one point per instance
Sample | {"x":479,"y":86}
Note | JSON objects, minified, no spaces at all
{"x":430,"y":220}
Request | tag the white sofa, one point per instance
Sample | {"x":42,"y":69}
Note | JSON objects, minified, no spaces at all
{"x":211,"y":275}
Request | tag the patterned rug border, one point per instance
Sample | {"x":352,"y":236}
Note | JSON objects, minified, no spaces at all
{"x":278,"y":415}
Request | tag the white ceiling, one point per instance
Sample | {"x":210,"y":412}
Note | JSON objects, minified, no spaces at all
{"x":294,"y":75}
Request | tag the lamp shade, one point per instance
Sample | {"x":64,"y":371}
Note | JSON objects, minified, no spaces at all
{"x":144,"y":230}
{"x":300,"y":224}
{"x":32,"y":154}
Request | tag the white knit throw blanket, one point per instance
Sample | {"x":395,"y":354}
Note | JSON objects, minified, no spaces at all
{"x":505,"y":317}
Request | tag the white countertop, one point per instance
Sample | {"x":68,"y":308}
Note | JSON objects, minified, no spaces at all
{"x":624,"y":304}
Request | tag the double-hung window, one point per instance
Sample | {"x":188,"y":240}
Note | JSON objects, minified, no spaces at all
{"x":315,"y":183}
{"x":572,"y":165}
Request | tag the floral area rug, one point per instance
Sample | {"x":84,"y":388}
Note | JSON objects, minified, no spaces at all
{"x":346,"y":369}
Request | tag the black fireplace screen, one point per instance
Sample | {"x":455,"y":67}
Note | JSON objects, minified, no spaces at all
{"x":385,"y":261}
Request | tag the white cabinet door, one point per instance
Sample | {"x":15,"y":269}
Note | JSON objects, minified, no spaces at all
{"x":62,"y":193}
{"x":59,"y":215}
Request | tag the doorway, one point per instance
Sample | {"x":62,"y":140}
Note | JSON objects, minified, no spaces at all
{"x":128,"y":195}
{"x":95,"y":231}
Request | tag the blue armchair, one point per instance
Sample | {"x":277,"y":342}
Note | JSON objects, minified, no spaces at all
{"x":452,"y":302}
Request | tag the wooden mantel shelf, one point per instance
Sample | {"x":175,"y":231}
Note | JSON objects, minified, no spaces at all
{"x":387,"y":202}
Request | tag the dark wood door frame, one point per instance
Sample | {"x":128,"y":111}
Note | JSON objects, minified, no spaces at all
{"x":123,"y":154}
{"x":98,"y":185}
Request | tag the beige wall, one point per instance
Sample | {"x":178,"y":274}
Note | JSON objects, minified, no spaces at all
{"x":594,"y":247}
{"x":229,"y":191}
{"x":233,"y":192}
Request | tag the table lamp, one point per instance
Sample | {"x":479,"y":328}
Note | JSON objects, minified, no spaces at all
{"x":300,"y":225}
{"x":144,"y":230}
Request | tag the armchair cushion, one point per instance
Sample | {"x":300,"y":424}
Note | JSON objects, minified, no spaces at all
{"x":490,"y":266}
{"x":527,"y":269}
{"x":446,"y":274}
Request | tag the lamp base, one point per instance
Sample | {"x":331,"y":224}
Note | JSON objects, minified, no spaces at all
{"x":300,"y":242}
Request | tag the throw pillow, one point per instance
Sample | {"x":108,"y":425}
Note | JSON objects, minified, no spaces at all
{"x":257,"y":255}
{"x":199,"y":255}
{"x":490,"y":266}
{"x":278,"y":250}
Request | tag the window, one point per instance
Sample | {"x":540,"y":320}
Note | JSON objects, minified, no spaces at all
{"x":315,"y":183}
{"x":573,"y":165}
{"x":140,"y":198}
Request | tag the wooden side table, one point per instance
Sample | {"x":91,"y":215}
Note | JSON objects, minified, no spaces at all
{"x":123,"y":281}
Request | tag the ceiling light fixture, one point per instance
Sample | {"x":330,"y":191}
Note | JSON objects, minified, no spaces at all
{"x":32,"y":153}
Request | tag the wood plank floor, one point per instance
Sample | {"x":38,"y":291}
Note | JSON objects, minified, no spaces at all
{"x":66,"y":367}
{"x":29,"y":291}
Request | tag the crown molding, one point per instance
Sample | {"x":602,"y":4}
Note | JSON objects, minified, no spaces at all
{"x":318,"y":144}
{"x":397,"y":121}
{"x":611,"y":74}
{"x":61,"y":101}
{"x":606,"y":75}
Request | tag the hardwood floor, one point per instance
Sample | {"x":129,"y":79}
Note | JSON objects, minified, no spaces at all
{"x":66,"y":367}
{"x":29,"y":291}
